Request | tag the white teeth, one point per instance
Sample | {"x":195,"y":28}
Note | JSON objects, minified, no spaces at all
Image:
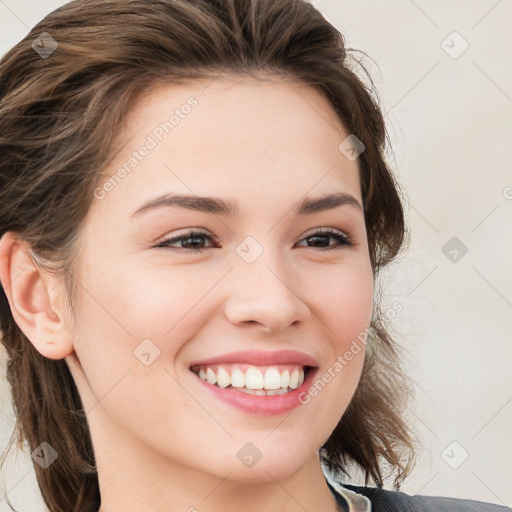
{"x":253,"y":381}
{"x":294,"y":379}
{"x":238,"y":378}
{"x":285,"y":379}
{"x":211,"y":378}
{"x":223,"y":378}
{"x":272,"y":379}
{"x":252,"y":391}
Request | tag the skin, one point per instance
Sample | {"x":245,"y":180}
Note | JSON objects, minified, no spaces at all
{"x":161,"y":441}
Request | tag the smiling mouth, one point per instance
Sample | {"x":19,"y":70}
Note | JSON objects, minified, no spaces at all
{"x":253,"y":380}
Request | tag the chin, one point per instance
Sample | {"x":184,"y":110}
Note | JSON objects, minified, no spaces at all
{"x":265,"y":472}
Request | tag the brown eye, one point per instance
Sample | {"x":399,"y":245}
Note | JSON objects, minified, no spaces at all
{"x":193,"y":240}
{"x":323,"y":237}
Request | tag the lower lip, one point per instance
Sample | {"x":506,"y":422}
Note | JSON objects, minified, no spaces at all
{"x":261,"y":405}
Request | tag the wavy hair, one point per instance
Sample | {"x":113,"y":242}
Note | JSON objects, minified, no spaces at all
{"x":58,"y":117}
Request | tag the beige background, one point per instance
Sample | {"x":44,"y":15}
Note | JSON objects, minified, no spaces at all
{"x":449,"y":115}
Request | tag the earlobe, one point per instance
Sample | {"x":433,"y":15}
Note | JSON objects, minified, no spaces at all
{"x":26,"y":286}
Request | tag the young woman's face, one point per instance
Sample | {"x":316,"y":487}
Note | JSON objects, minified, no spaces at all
{"x":258,"y":289}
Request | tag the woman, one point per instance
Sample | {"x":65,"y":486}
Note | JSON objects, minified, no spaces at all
{"x":195,"y":207}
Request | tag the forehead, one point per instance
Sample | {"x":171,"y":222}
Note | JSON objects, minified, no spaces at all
{"x":237,"y":136}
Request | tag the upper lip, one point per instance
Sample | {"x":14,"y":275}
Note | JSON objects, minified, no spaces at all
{"x":261,"y":358}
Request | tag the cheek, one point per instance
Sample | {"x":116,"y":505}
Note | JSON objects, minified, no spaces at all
{"x":130,"y":330}
{"x":344,"y":309}
{"x":342,"y":300}
{"x":170,"y":305}
{"x":127,"y":319}
{"x":139,"y":303}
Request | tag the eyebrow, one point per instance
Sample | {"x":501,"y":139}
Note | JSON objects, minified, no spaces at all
{"x":217,"y":206}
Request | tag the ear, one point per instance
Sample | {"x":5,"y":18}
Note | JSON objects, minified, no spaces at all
{"x":33,"y":295}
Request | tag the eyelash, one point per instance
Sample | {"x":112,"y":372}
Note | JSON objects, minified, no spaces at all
{"x":343,"y":240}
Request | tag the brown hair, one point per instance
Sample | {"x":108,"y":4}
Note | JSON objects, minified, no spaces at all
{"x":58,"y":117}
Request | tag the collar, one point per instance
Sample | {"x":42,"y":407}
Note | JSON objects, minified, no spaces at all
{"x":356,"y":502}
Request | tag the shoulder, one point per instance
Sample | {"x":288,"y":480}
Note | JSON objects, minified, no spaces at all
{"x":383,"y":500}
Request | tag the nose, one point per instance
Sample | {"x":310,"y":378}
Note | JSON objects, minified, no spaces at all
{"x":264,"y":293}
